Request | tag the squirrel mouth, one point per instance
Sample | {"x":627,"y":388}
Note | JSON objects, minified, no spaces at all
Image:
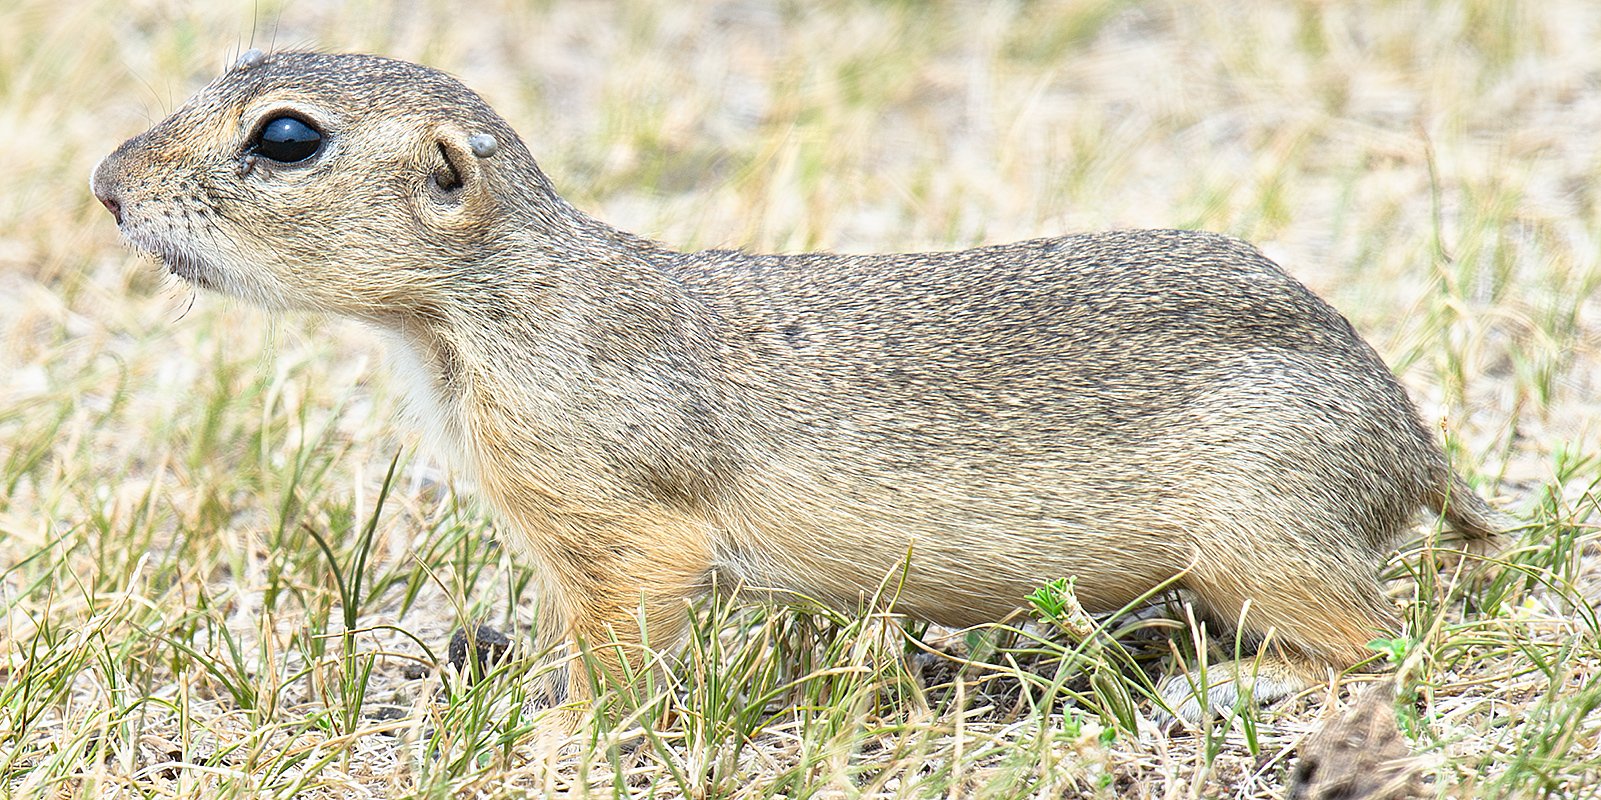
{"x":180,"y":265}
{"x":179,"y":261}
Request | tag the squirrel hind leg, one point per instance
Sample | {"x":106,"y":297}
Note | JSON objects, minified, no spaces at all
{"x":1312,"y":616}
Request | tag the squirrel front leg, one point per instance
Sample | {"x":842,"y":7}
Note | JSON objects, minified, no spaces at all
{"x":620,"y":593}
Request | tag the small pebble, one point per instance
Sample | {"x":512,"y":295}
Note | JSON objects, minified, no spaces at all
{"x":487,"y":645}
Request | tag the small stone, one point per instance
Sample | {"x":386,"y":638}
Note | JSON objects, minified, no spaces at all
{"x":1360,"y":756}
{"x":486,"y":644}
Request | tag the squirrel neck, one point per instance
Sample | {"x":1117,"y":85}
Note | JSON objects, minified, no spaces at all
{"x":573,"y":334}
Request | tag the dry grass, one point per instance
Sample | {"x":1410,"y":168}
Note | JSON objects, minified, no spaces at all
{"x":168,"y":461}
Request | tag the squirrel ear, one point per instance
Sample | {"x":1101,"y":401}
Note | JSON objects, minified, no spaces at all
{"x":459,"y":154}
{"x":455,"y":169}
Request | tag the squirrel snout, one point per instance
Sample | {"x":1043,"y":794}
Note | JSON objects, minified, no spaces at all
{"x":104,"y":191}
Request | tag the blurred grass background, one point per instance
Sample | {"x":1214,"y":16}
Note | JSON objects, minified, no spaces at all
{"x":169,"y":460}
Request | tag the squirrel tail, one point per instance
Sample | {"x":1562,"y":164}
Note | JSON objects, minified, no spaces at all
{"x":1467,"y":514}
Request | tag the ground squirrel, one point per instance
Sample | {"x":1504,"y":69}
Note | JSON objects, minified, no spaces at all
{"x":1118,"y":407}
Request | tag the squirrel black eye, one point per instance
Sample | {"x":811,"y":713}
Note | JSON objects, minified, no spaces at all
{"x":287,"y":140}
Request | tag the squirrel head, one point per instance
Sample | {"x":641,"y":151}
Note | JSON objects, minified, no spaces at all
{"x":287,"y":180}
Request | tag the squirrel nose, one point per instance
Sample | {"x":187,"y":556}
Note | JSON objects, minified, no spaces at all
{"x":105,"y":192}
{"x":112,"y":205}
